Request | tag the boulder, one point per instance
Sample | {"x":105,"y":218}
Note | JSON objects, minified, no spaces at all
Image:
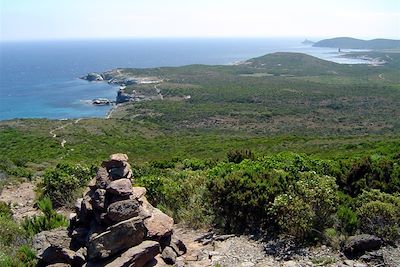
{"x":99,"y":199}
{"x":92,"y":183}
{"x":359,"y":244}
{"x":138,"y":192}
{"x":136,"y":256}
{"x":79,"y":236}
{"x":177,"y":245}
{"x":56,"y":237}
{"x":86,"y":211}
{"x":168,"y":255}
{"x":123,"y":210}
{"x":116,"y":238}
{"x":54,"y":246}
{"x":55,"y":254}
{"x":102,"y":178}
{"x":122,"y":172}
{"x":159,"y":225}
{"x":78,"y":205}
{"x":119,"y":157}
{"x":121,"y":187}
{"x":116,"y":161}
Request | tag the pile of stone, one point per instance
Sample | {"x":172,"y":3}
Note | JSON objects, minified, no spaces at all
{"x":114,"y":225}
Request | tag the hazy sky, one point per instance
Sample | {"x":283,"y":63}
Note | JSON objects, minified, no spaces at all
{"x":60,"y":19}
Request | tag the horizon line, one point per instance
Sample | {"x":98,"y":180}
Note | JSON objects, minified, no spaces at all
{"x":185,"y":37}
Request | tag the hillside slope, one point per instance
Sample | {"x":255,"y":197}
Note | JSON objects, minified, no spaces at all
{"x":352,"y":43}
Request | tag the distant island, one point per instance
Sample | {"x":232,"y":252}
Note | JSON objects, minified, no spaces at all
{"x":307,"y":42}
{"x":352,"y":43}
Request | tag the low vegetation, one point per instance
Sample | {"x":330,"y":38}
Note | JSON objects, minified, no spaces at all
{"x":309,"y":151}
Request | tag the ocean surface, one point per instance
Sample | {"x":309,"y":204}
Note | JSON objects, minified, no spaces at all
{"x":41,"y":79}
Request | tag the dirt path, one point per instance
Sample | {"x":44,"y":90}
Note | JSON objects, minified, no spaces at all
{"x":54,"y":135}
{"x":381,"y":76}
{"x":22,"y":199}
{"x":244,"y":251}
{"x":158,"y":92}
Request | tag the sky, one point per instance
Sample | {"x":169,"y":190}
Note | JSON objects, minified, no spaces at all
{"x":85,"y":19}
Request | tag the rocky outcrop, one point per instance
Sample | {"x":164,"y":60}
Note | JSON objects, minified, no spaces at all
{"x":113,"y":225}
{"x":359,"y":244}
{"x":123,"y":97}
{"x":91,"y":77}
{"x":55,"y":246}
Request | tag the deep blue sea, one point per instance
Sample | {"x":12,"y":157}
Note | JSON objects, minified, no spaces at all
{"x":40,"y":79}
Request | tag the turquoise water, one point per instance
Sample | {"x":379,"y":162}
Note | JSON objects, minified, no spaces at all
{"x":40,"y":79}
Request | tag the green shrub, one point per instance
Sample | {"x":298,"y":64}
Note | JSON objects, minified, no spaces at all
{"x":348,"y":220}
{"x":372,"y":173}
{"x":179,"y":194}
{"x":17,"y":169}
{"x":198,"y":164}
{"x":11,"y":234}
{"x":26,"y":256}
{"x":379,"y":214}
{"x":5,"y":209}
{"x":49,"y":220}
{"x":306,"y":209}
{"x":241,"y":194}
{"x":333,"y":238}
{"x":62,"y":184}
{"x":237,"y":156}
{"x":293,"y":215}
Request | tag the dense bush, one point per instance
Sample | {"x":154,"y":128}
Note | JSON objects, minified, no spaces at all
{"x":241,"y":194}
{"x":305,"y":210}
{"x":372,"y":173}
{"x":237,"y":156}
{"x":347,"y":219}
{"x":17,"y":169}
{"x":13,"y":240}
{"x":180,"y":194}
{"x":62,"y":184}
{"x":379,"y":214}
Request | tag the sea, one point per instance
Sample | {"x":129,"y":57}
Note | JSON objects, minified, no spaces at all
{"x":40,"y":79}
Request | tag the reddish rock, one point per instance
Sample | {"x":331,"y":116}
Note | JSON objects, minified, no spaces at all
{"x":138,"y":192}
{"x":159,"y":225}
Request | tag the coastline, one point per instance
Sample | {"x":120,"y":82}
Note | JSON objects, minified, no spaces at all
{"x":110,"y":112}
{"x":90,"y":112}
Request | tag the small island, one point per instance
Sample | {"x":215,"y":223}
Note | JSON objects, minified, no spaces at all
{"x":307,"y":42}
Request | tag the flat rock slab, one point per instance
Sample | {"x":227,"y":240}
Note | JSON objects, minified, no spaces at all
{"x":116,"y":238}
{"x":119,"y":157}
{"x":121,"y":187}
{"x":136,"y":256}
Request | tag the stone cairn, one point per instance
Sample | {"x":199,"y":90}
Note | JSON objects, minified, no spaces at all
{"x":113,"y":225}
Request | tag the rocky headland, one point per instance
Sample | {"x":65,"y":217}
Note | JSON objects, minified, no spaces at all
{"x":117,"y":77}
